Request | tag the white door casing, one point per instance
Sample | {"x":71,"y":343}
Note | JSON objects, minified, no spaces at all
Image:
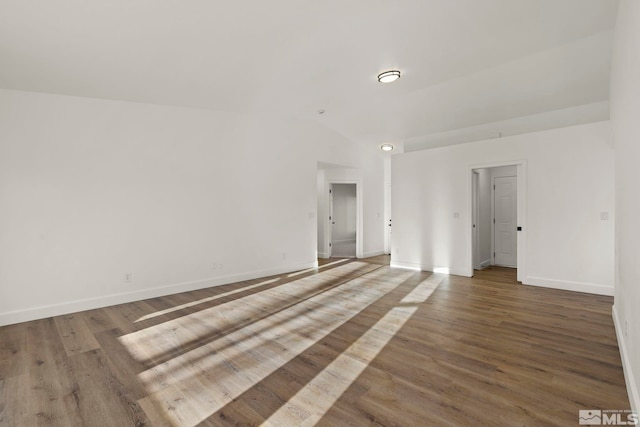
{"x":476,"y":226}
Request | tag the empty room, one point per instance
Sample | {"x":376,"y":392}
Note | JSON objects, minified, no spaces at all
{"x":343,"y":213}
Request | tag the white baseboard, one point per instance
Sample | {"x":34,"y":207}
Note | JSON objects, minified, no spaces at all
{"x":486,"y":263}
{"x":323,"y":255}
{"x":370,"y":254}
{"x":416,"y":266}
{"x":41,"y":312}
{"x":566,"y":285}
{"x":629,"y":378}
{"x":344,"y":242}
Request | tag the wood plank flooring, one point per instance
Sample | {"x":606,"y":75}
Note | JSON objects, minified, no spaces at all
{"x":353,"y":343}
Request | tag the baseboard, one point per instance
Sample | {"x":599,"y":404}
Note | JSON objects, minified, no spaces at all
{"x":486,"y":263}
{"x":323,"y":255}
{"x":370,"y":254}
{"x":344,"y":242}
{"x":629,"y":378}
{"x":435,"y":269}
{"x":43,"y":312}
{"x":566,"y":285}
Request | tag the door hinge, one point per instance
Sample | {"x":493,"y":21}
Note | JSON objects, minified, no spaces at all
{"x":329,"y":217}
{"x":494,"y":254}
{"x":329,"y":244}
{"x":494,"y":186}
{"x":329,"y":191}
{"x":494,"y":220}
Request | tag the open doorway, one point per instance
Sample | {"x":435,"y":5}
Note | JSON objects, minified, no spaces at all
{"x":497,"y":205}
{"x":343,"y":204}
{"x":347,"y":230}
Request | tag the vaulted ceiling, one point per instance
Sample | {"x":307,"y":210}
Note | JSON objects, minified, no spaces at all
{"x":471,"y":69}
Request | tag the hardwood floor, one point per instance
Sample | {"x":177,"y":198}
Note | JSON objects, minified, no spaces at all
{"x":354,"y":343}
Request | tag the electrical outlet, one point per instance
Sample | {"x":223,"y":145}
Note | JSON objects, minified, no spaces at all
{"x":626,"y":329}
{"x":127,"y":277}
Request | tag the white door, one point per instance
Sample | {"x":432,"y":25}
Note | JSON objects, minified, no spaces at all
{"x":505,"y":211}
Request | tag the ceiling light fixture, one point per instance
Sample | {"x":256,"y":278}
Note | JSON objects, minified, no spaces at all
{"x":389,"y":76}
{"x":386,"y":147}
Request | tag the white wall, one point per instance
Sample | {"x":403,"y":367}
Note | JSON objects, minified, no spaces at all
{"x":625,"y":112}
{"x":569,"y":183}
{"x":180,"y":198}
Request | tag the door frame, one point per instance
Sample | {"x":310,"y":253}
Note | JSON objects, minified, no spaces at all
{"x":521,"y":174}
{"x":328,"y":227}
{"x":475,"y":217}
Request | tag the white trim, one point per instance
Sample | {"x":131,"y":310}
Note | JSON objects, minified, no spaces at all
{"x":590,"y":288}
{"x":323,"y":255}
{"x":374,"y":253}
{"x":627,"y":368}
{"x":432,"y":268}
{"x":486,"y":263}
{"x":339,"y":242}
{"x":42,"y":312}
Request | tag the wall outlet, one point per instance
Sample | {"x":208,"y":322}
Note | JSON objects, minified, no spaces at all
{"x":127,"y":277}
{"x":626,"y":329}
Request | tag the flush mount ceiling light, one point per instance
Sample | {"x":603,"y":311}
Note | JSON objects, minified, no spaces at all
{"x":386,"y":147}
{"x":389,"y":76}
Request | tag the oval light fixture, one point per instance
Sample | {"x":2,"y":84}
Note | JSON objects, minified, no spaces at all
{"x":389,"y":76}
{"x":386,"y":147}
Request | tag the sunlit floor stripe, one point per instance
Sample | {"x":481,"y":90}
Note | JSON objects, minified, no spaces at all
{"x":203,"y":300}
{"x":297,"y":273}
{"x":193,"y":385}
{"x":327,"y":387}
{"x":153,"y":342}
{"x":423,"y":291}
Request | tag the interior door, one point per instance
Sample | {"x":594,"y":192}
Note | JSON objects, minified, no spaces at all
{"x":505,"y":219}
{"x":476,"y":221}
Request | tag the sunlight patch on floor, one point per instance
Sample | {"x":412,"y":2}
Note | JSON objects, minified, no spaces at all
{"x":203,"y":300}
{"x":423,"y":291}
{"x":309,"y":270}
{"x":200,"y":362}
{"x":326,"y":388}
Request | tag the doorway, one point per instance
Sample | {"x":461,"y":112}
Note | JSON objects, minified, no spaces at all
{"x":330,"y":175}
{"x":497,"y":216}
{"x":343,"y":216}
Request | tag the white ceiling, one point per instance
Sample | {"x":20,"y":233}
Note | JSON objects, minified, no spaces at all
{"x":466,"y":64}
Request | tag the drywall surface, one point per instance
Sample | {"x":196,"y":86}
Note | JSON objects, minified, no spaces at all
{"x":107,"y":201}
{"x":569,"y":187}
{"x":625,"y":111}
